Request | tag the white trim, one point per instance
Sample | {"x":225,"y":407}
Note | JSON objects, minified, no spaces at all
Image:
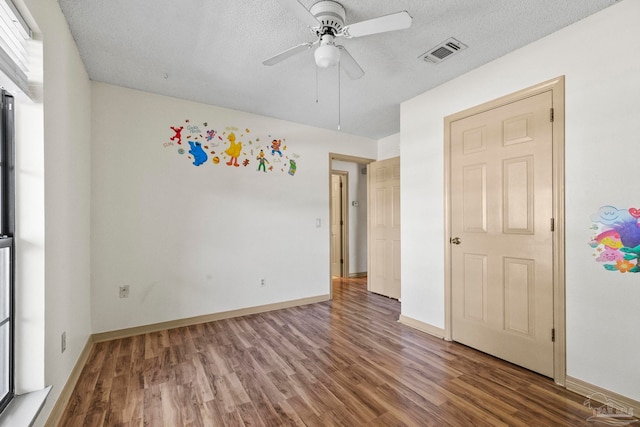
{"x":65,"y":394}
{"x":24,"y":408}
{"x":421,"y":326}
{"x":592,"y":391}
{"x":156,"y":327}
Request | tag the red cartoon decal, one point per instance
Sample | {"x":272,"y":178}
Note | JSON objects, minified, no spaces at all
{"x":178,"y":134}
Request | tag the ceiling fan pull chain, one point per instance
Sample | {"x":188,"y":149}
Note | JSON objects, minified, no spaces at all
{"x":316,"y":84}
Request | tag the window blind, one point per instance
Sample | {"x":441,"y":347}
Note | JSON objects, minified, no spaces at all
{"x":14,"y":48}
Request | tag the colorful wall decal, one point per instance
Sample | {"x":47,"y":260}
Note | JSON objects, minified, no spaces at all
{"x":261,"y":161}
{"x":616,"y":239}
{"x":234,"y":151}
{"x":199,"y":156}
{"x":232,"y":147}
{"x":177,"y":134}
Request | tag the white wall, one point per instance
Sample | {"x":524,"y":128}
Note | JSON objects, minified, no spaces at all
{"x":598,"y":57}
{"x":53,"y":235}
{"x":389,"y":147}
{"x":194,"y":240}
{"x":357,"y":192}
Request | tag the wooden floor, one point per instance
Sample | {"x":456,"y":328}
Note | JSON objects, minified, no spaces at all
{"x":346,"y":362}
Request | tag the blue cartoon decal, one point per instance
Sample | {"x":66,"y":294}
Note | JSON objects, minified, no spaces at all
{"x":199,"y":156}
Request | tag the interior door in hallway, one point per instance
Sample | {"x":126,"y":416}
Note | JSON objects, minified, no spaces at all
{"x":338,"y":207}
{"x":384,"y":227}
{"x":501,"y":208}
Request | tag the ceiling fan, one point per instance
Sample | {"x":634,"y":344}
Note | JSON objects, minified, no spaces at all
{"x":326,"y":19}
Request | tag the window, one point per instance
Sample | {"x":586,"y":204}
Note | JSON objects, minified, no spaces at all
{"x":7,"y":227}
{"x":14,"y":68}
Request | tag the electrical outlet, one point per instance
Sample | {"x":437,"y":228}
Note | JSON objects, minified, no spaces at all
{"x":124,"y":291}
{"x":263,"y":283}
{"x":63,"y":342}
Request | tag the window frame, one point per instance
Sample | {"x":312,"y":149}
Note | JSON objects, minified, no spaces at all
{"x":7,"y":224}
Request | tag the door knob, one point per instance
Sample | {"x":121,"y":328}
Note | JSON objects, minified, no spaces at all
{"x":455,"y":240}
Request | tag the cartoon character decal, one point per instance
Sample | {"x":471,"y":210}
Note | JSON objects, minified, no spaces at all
{"x":616,"y":242}
{"x":199,"y":156}
{"x":262,"y":161}
{"x":234,"y":150}
{"x":231,"y":145}
{"x":275,"y":147}
{"x":177,"y":136}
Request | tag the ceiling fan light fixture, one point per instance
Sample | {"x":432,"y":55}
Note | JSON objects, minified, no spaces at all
{"x":327,"y":55}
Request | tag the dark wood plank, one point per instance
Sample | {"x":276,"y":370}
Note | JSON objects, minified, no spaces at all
{"x":346,"y":362}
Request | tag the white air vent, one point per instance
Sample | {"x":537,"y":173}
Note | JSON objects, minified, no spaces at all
{"x":443,"y":51}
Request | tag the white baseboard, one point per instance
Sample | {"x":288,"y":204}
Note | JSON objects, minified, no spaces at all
{"x":53,"y":420}
{"x":599,"y":394}
{"x":178,"y":323}
{"x":356,"y":275}
{"x":421,"y":326}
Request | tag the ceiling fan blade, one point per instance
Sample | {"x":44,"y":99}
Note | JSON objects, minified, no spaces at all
{"x":300,"y":12}
{"x":287,"y":54}
{"x":349,"y":65}
{"x":382,"y":24}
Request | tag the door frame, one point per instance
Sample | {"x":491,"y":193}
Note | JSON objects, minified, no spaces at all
{"x":556,"y":86}
{"x":344,"y":228}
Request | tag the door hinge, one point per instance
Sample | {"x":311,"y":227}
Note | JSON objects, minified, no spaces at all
{"x":551,"y":114}
{"x":553,"y":224}
{"x":553,"y":335}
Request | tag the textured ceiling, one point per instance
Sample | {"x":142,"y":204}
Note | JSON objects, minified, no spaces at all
{"x":211,"y":51}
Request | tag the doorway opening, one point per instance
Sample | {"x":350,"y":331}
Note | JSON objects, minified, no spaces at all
{"x":348,"y":216}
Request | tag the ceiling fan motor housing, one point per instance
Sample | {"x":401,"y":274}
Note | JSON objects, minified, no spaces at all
{"x":331,"y":15}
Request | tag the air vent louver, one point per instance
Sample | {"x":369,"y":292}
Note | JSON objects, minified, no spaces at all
{"x":442,"y":51}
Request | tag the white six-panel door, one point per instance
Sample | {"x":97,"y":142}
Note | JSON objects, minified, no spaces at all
{"x":384,"y":227}
{"x":501,"y":205}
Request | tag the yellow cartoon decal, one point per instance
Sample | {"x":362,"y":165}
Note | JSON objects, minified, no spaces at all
{"x":234,"y":150}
